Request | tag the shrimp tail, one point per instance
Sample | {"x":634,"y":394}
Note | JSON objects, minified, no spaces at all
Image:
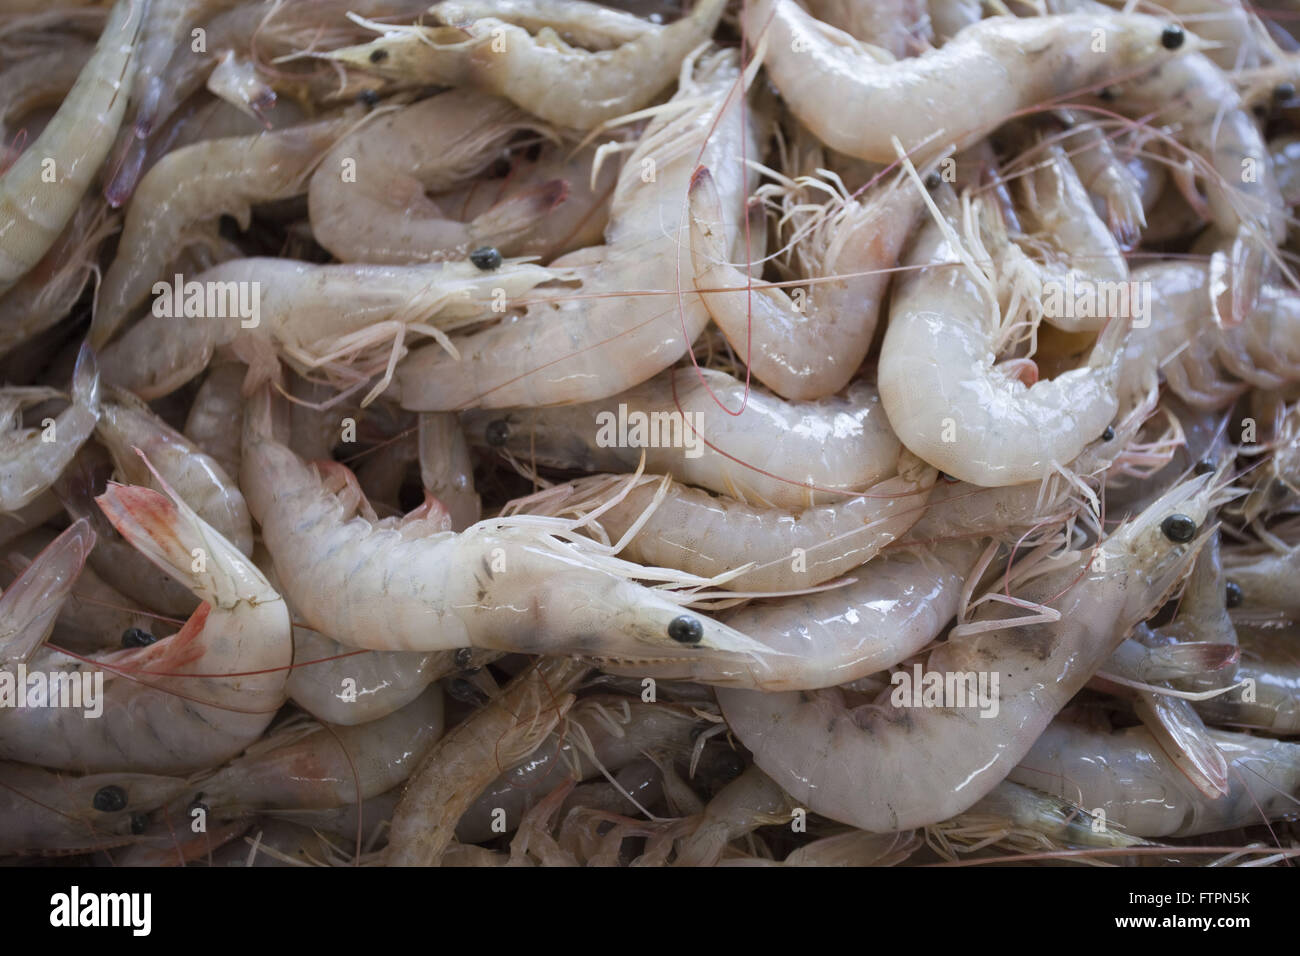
{"x":85,"y":379}
{"x":30,"y":605}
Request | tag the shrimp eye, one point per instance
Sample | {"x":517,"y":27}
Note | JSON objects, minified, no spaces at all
{"x":378,"y":56}
{"x":463,"y":657}
{"x":109,"y":799}
{"x":686,"y":630}
{"x":1179,"y":528}
{"x":139,"y":823}
{"x":1105,"y":94}
{"x":1203,"y":467}
{"x":932,"y":181}
{"x":1232,"y":595}
{"x":1284,"y":92}
{"x":1172,"y":37}
{"x":497,"y":432}
{"x":486,"y":258}
{"x":369,"y":97}
{"x":1108,"y":434}
{"x":134,"y":637}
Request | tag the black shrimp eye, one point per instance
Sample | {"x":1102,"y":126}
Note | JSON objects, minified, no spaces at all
{"x":1172,"y":37}
{"x":369,"y":97}
{"x":463,"y":657}
{"x":1232,"y":595}
{"x":1284,"y":92}
{"x":134,"y":637}
{"x":139,"y":823}
{"x":932,"y":181}
{"x":109,"y":799}
{"x":686,"y":630}
{"x":1106,"y":94}
{"x":486,"y":258}
{"x":497,"y":432}
{"x":378,"y":56}
{"x":1179,"y":528}
{"x":1108,"y":434}
{"x":1203,"y":467}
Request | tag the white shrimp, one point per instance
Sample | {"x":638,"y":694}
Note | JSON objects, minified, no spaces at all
{"x":706,"y":428}
{"x":888,"y":767}
{"x":949,"y":402}
{"x":446,"y":468}
{"x":562,"y":84}
{"x":32,"y":458}
{"x":856,"y":103}
{"x":196,"y":185}
{"x":217,"y":403}
{"x":811,"y":347}
{"x":175,"y":723}
{"x":40,"y":192}
{"x":600,"y":340}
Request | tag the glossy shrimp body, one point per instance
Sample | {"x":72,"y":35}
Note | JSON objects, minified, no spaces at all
{"x":154,"y":720}
{"x":948,"y":401}
{"x":195,"y":185}
{"x":308,"y":313}
{"x":1271,"y":702}
{"x":689,"y":428}
{"x":1127,"y":774}
{"x":33,"y":208}
{"x":855,"y":102}
{"x":600,"y":340}
{"x":367,"y":200}
{"x":810,"y":349}
{"x":219,"y":402}
{"x":32,"y":459}
{"x":925,"y":765}
{"x":508,"y":584}
{"x":447,"y":469}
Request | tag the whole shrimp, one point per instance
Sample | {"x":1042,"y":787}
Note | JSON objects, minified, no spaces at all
{"x":367,"y":199}
{"x":34,"y":207}
{"x":949,"y":402}
{"x":169,"y":707}
{"x":925,"y":765}
{"x":31,"y":459}
{"x":856,"y":102}
{"x":600,"y":341}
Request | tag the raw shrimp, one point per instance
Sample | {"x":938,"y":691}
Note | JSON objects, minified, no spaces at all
{"x":33,"y":600}
{"x":562,"y":84}
{"x":309,"y":313}
{"x":926,"y":765}
{"x":196,"y":185}
{"x":128,"y":428}
{"x":901,"y":27}
{"x":1110,"y":181}
{"x":851,"y":848}
{"x":46,"y":812}
{"x":857,"y":103}
{"x":367,"y":200}
{"x":406,"y":584}
{"x":947,"y":400}
{"x":31,"y":459}
{"x":446,"y":468}
{"x":1269,"y":661}
{"x":750,"y":801}
{"x":788,"y":455}
{"x":591,"y":25}
{"x":601,"y":340}
{"x":335,"y":684}
{"x":327,"y":767}
{"x":1127,"y":775}
{"x":175,"y":723}
{"x":217,"y":403}
{"x":34,"y":207}
{"x":39,"y":81}
{"x":1267,"y":579}
{"x":809,"y":349}
{"x":706,"y":535}
{"x":468,"y":759}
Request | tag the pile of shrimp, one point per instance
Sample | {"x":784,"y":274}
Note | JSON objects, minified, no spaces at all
{"x":540,"y":432}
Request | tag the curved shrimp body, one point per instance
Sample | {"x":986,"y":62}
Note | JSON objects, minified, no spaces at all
{"x":336,"y":685}
{"x":1127,"y":774}
{"x":48,"y":812}
{"x":153,"y":719}
{"x":885,"y":768}
{"x":304,"y":311}
{"x":706,"y":535}
{"x":329,"y":767}
{"x":564,"y":85}
{"x":447,"y":469}
{"x":899,"y":27}
{"x":367,"y":200}
{"x":776,"y":454}
{"x":32,"y":459}
{"x":196,"y":185}
{"x":741,"y":807}
{"x":126,"y":425}
{"x":812,"y":349}
{"x":1270,"y":661}
{"x":218,"y":402}
{"x":400,"y":585}
{"x":39,"y":81}
{"x":600,"y":340}
{"x":856,"y":103}
{"x":41,"y":191}
{"x":948,"y":401}
{"x":591,"y":25}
